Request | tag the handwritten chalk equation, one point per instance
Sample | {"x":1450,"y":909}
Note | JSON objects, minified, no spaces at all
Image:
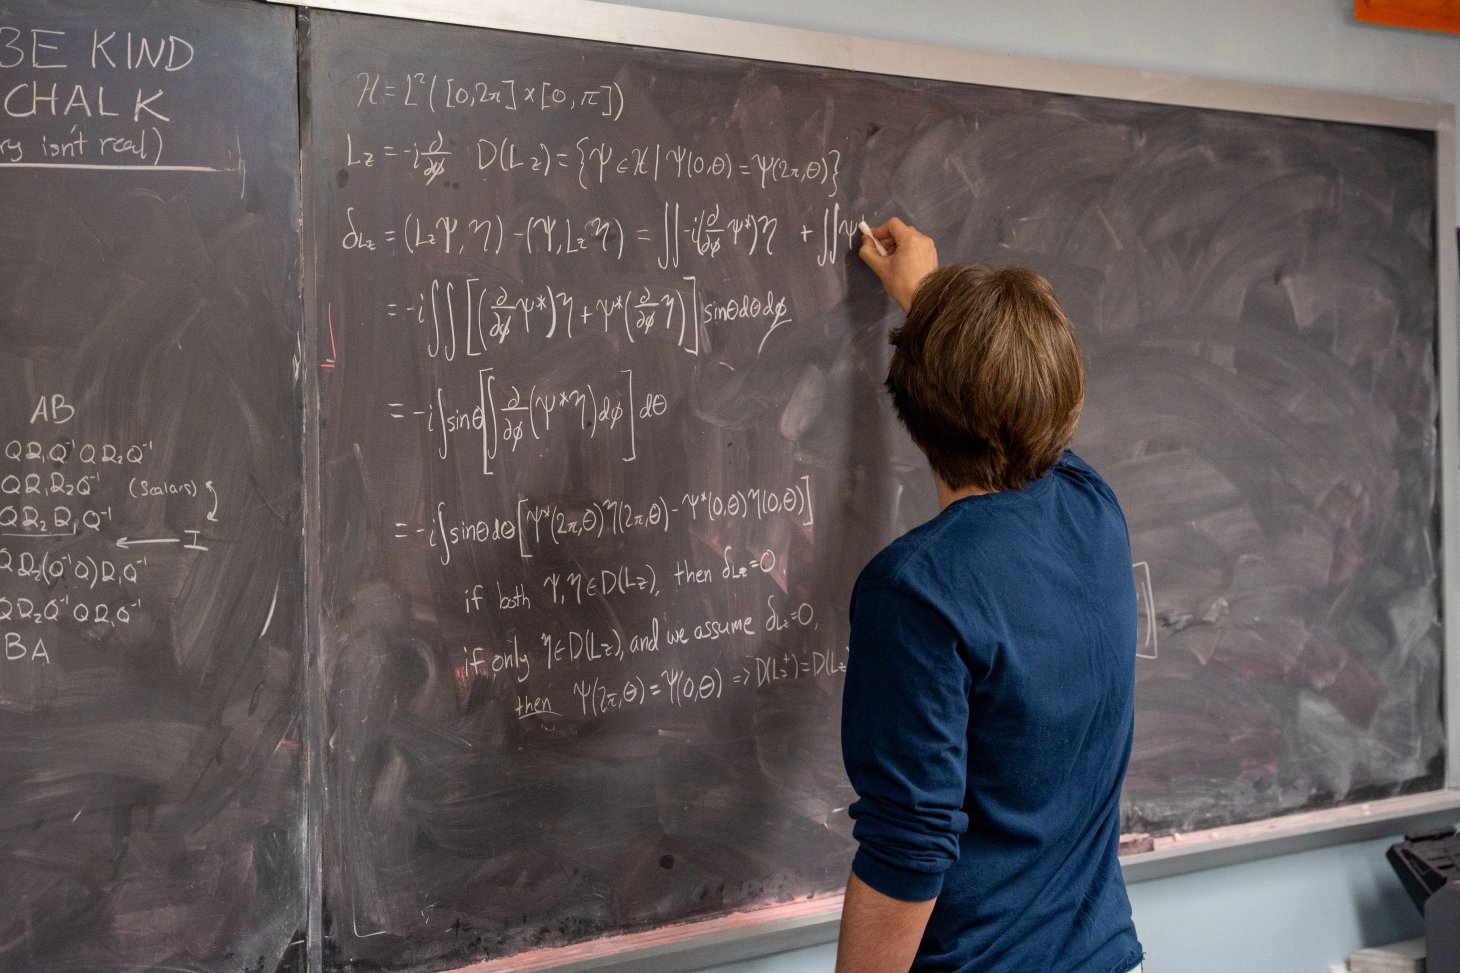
{"x":675,"y":687}
{"x":505,"y":416}
{"x":590,"y":163}
{"x":70,"y":572}
{"x":431,"y":92}
{"x":51,"y":568}
{"x":709,"y":232}
{"x":597,"y":695}
{"x":47,"y":611}
{"x":467,"y":318}
{"x":534,"y":524}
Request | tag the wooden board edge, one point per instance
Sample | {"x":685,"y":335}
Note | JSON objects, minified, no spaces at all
{"x":1447,"y":232}
{"x":688,"y":945}
{"x":1307,"y":831}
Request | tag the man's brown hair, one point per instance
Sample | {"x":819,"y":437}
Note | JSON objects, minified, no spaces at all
{"x":987,"y":375}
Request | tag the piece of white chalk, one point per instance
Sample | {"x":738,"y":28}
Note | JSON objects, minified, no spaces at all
{"x":862,"y":225}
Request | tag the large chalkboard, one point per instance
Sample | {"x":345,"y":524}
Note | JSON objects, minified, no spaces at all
{"x":151,"y":566}
{"x":474,"y":583}
{"x":604,"y":447}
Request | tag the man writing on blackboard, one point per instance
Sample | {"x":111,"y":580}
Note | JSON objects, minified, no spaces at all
{"x":988,"y":711}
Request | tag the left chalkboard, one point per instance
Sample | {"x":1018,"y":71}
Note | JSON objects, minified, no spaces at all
{"x":150,"y":530}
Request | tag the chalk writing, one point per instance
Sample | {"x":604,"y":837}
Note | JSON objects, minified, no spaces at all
{"x":116,"y":119}
{"x":432,"y":93}
{"x":558,"y":287}
{"x":68,"y":568}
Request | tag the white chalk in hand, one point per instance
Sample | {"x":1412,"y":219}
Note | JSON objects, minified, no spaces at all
{"x":862,"y":225}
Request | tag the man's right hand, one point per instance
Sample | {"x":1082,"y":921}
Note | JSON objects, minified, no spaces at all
{"x":911,"y":256}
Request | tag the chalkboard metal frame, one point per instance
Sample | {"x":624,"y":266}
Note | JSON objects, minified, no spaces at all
{"x":776,"y":929}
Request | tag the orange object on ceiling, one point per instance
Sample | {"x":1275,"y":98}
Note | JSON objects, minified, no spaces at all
{"x":1424,"y":14}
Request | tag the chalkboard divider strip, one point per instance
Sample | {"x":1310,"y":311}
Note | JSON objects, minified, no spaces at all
{"x":672,"y":30}
{"x":313,"y":784}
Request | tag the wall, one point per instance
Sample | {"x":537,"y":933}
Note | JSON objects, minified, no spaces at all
{"x":1300,"y":913}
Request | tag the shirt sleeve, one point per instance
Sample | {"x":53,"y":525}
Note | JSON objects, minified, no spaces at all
{"x":905,"y":742}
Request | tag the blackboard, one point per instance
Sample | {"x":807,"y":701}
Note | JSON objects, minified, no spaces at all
{"x":603,"y":448}
{"x":151,"y":563}
{"x":436,"y":461}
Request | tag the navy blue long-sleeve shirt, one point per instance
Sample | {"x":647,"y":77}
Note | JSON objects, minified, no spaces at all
{"x":986,"y":726}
